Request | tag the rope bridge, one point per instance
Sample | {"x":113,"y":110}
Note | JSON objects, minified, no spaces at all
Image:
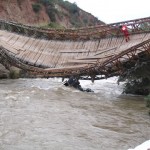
{"x":89,"y":51}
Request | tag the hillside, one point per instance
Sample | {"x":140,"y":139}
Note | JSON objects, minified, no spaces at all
{"x":45,"y":13}
{"x":56,"y":13}
{"x":21,"y":11}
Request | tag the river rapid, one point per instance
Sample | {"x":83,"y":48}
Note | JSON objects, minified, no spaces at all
{"x":42,"y":114}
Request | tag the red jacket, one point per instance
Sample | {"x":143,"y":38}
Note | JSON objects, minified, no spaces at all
{"x":125,"y":30}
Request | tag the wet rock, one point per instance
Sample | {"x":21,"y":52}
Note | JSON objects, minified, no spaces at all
{"x":74,"y":82}
{"x":4,"y":73}
{"x":14,"y":72}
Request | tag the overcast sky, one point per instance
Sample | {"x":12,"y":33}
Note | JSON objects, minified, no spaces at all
{"x":111,"y":11}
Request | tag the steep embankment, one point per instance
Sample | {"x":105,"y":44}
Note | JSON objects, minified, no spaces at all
{"x":43,"y":12}
{"x":21,"y":11}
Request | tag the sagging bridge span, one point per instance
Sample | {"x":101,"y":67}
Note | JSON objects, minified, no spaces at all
{"x":90,"y":51}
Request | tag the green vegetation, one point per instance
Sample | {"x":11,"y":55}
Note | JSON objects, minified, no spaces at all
{"x":14,"y":74}
{"x":137,"y":77}
{"x":75,"y":22}
{"x":55,"y":25}
{"x":47,"y":2}
{"x":147,"y":98}
{"x":52,"y":11}
{"x":139,"y":86}
{"x":145,"y":26}
{"x":72,"y":8}
{"x":36,"y":7}
{"x":50,"y":8}
{"x":64,"y":11}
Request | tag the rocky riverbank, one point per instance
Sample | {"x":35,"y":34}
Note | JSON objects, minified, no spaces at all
{"x":13,"y":73}
{"x":4,"y":73}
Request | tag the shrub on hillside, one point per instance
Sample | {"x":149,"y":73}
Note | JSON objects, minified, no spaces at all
{"x":55,"y":25}
{"x":72,"y":8}
{"x":47,"y":2}
{"x":50,"y":8}
{"x":14,"y":74}
{"x":36,"y":7}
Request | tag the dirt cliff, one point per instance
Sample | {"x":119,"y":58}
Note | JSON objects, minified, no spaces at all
{"x":43,"y":12}
{"x":21,"y":11}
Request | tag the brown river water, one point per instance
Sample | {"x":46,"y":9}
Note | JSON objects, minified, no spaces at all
{"x":42,"y":114}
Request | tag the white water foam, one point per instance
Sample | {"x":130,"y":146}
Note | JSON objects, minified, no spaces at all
{"x":143,"y":146}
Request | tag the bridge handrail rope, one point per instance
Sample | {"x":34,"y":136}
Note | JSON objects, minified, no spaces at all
{"x":100,"y":31}
{"x":16,"y":61}
{"x":82,"y":28}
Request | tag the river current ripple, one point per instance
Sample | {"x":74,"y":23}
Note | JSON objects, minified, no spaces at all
{"x":42,"y":114}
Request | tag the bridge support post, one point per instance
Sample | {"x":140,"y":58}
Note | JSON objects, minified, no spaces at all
{"x":93,"y":78}
{"x":63,"y":79}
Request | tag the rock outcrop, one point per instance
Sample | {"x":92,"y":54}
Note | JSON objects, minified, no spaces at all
{"x":4,"y":73}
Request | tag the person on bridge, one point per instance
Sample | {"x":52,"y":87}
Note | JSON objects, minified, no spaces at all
{"x":124,"y":29}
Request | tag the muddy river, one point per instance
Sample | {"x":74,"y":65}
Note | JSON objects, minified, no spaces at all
{"x":42,"y":114}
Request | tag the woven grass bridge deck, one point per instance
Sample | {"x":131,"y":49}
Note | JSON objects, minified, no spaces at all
{"x":91,"y":51}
